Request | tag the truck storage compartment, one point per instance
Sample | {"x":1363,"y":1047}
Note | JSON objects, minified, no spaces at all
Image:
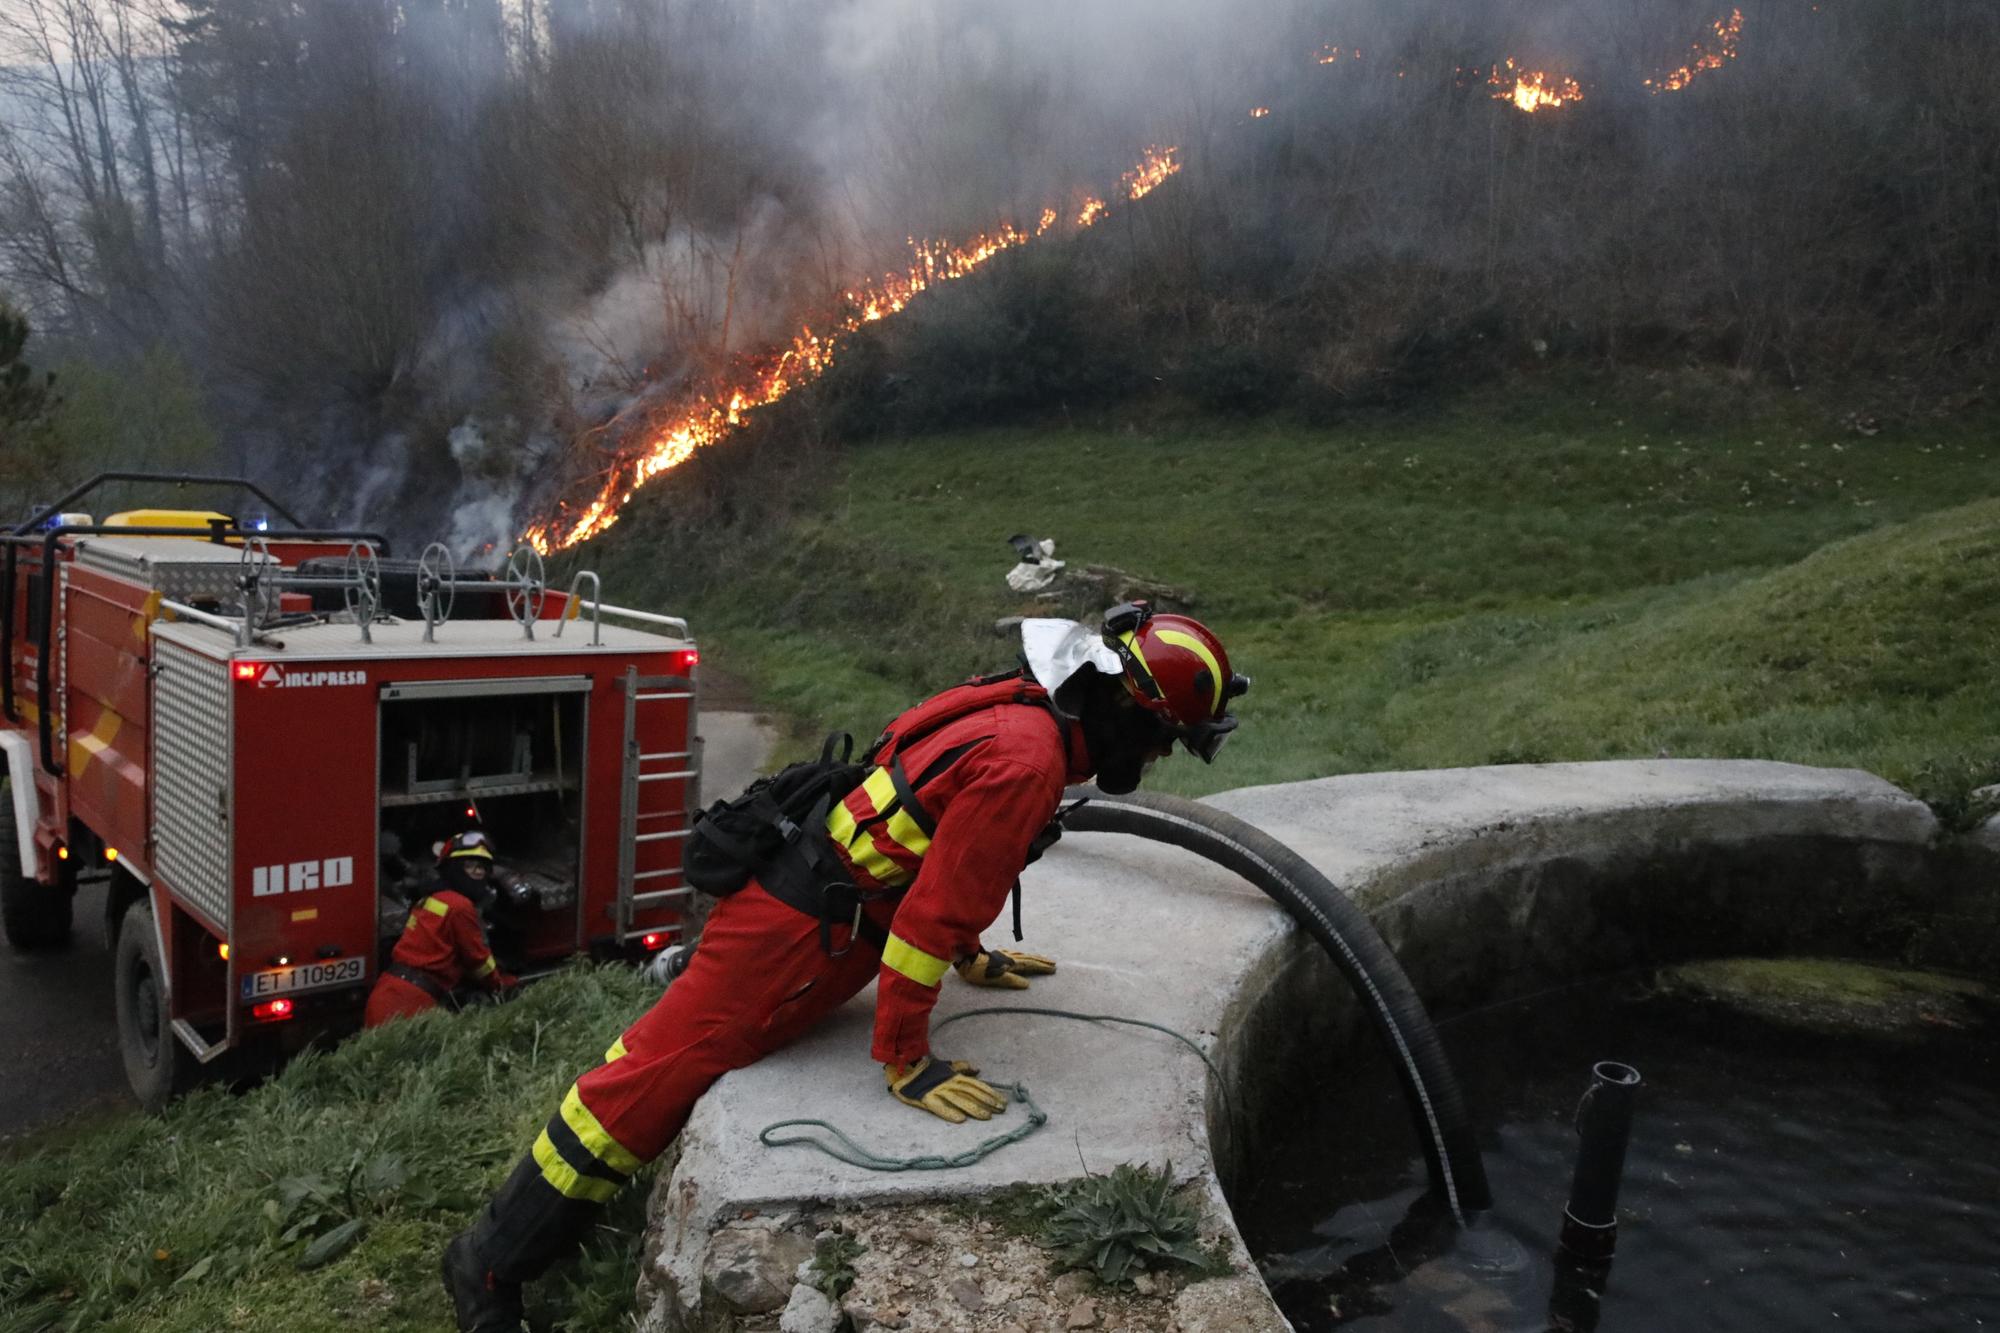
{"x":503,"y":756}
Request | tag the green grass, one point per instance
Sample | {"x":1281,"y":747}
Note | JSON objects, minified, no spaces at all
{"x":1508,"y":581}
{"x":197,"y":1219}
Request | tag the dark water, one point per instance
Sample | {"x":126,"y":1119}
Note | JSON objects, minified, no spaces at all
{"x":1778,"y":1179}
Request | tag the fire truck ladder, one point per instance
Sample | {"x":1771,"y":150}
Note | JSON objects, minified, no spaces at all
{"x":662,"y":791}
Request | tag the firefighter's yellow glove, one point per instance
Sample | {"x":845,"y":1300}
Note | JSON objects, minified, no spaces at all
{"x":1004,"y":971}
{"x":945,"y":1088}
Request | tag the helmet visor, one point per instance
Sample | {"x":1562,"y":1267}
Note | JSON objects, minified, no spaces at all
{"x":1205,"y":740}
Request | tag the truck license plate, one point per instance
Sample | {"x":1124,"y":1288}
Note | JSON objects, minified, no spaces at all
{"x":305,"y":976}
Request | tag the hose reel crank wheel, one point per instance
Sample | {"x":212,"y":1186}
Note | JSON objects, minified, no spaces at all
{"x":527,"y":586}
{"x":437,"y":585}
{"x":361,"y":587}
{"x":260,"y":591}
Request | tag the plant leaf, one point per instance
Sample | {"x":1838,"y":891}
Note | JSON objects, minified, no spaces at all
{"x":197,"y":1271}
{"x":332,"y":1245}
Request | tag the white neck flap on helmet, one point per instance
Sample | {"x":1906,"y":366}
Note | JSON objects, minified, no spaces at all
{"x":1057,"y":650}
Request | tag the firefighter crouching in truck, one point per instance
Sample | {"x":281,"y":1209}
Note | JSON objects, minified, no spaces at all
{"x":923,"y":854}
{"x":443,"y":945}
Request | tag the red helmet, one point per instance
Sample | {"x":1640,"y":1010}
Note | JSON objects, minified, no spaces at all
{"x":1177,"y":670}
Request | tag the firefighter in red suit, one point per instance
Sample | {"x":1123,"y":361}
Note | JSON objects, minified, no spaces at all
{"x":443,"y":946}
{"x":963,"y":789}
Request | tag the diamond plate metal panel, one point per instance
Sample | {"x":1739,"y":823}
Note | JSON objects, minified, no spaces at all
{"x":186,"y":571}
{"x":191,"y":811}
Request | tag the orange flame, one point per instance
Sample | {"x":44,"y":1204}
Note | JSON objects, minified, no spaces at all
{"x":1328,"y":55}
{"x":1259,"y":112}
{"x":1532,"y":89}
{"x":713,"y":416}
{"x":1727,"y":33}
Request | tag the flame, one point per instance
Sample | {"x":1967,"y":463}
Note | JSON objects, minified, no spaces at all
{"x":714,"y":415}
{"x":1727,"y":33}
{"x":1532,"y":89}
{"x":1327,"y":55}
{"x":1259,"y":112}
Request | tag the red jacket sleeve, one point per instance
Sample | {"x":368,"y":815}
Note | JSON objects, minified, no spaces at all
{"x":975,"y":856}
{"x":468,"y":941}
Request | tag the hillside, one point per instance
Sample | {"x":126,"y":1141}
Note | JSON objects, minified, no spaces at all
{"x":1500,"y":583}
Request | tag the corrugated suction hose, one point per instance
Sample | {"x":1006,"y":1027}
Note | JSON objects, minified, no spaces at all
{"x":1358,"y":950}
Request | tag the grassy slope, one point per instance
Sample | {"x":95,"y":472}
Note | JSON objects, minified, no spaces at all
{"x":1437,"y":593}
{"x":1572,"y":585}
{"x":178,"y":1222}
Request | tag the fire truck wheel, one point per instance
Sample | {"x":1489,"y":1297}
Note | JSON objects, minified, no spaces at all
{"x":36,"y":915}
{"x":157,"y":1065}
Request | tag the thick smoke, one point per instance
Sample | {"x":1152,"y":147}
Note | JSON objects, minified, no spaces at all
{"x":884,"y":120}
{"x":384,"y":228}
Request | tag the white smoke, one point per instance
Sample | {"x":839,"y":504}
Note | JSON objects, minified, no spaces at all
{"x":483,"y":514}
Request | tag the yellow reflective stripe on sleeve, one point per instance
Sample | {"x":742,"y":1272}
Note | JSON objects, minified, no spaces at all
{"x":617,"y":1050}
{"x":899,"y":955}
{"x":434,"y":907}
{"x":567,"y":1180}
{"x":594,"y":1136}
{"x":1199,"y":649}
{"x":485,"y":968}
{"x":411,"y":922}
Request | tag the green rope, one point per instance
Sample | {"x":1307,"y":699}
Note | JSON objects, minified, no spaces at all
{"x":847,"y":1150}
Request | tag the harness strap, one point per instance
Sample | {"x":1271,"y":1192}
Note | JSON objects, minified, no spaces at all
{"x":423,"y":981}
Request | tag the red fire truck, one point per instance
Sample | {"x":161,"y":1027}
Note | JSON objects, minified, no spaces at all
{"x":256,"y":732}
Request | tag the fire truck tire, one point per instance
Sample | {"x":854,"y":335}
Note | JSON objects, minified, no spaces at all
{"x":36,"y":915}
{"x":157,"y":1065}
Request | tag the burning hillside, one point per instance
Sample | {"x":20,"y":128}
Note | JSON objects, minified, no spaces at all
{"x":1703,"y":59}
{"x":1532,"y":89}
{"x":669,"y":437}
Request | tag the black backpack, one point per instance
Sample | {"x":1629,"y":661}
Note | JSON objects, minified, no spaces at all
{"x":742,"y":836}
{"x":734,"y":839}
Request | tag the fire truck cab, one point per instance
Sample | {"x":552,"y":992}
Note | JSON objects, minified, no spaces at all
{"x":258,"y":735}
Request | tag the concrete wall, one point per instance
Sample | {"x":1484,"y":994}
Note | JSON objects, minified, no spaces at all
{"x":1488,"y":882}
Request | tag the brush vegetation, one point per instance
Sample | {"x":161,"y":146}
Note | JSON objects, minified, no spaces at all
{"x":1508,"y":581}
{"x":321,"y":1198}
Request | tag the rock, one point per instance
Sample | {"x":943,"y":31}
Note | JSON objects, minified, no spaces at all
{"x":1145,"y":1283}
{"x":1987,"y":835}
{"x":1010,"y":1327}
{"x":865,"y":1319}
{"x":968,"y":1260}
{"x":750,"y":1268}
{"x":808,"y":1311}
{"x":1082,"y":1315}
{"x":967,"y":1293}
{"x":1227,"y":1305}
{"x":1073,"y":1284}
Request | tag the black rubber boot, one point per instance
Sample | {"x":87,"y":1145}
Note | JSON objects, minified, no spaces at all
{"x":523,"y":1229}
{"x":481,"y":1302}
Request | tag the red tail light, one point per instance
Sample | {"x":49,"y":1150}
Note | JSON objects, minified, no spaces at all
{"x":653,"y":940}
{"x":244,"y":670}
{"x":686,"y":659}
{"x":272,"y":1011}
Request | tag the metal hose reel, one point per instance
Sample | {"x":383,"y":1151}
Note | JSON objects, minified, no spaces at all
{"x":361,"y":586}
{"x":527,"y":586}
{"x":437,"y":587}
